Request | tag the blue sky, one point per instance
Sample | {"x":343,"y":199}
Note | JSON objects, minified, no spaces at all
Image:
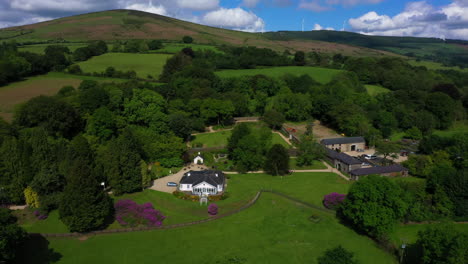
{"x":427,"y":18}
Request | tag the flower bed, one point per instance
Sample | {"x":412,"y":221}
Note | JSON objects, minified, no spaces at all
{"x":333,"y":200}
{"x":129,"y":213}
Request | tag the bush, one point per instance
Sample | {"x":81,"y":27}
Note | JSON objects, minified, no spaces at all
{"x":333,"y":200}
{"x":39,"y":215}
{"x":213,"y":209}
{"x":129,"y":213}
{"x":187,"y":39}
{"x":31,"y":197}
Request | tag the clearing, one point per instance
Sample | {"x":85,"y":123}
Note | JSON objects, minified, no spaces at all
{"x":322,"y":75}
{"x":143,"y":64}
{"x":374,"y":90}
{"x":457,"y":128}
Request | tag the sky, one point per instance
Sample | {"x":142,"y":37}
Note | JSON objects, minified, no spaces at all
{"x":429,"y":18}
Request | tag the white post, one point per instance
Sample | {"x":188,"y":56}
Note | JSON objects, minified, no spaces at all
{"x":103,"y":184}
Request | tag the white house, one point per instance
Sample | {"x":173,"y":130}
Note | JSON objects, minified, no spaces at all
{"x":206,"y":182}
{"x":198,"y":159}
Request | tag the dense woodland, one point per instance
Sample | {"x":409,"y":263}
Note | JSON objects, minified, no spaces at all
{"x":58,"y":149}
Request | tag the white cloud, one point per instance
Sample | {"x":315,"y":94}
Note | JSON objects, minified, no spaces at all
{"x":314,"y":6}
{"x":198,"y":4}
{"x":326,"y":5}
{"x":250,"y":3}
{"x":234,"y":18}
{"x":159,"y":9}
{"x":418,"y":19}
{"x":319,"y":27}
{"x":57,"y":5}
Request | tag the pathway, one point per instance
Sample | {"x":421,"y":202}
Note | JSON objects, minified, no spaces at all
{"x":161,"y":183}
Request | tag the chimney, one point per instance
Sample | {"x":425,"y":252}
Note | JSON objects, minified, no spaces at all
{"x":188,"y":174}
{"x":216,"y":174}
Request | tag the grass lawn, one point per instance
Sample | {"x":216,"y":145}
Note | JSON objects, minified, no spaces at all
{"x":142,"y":64}
{"x":374,"y":90}
{"x":397,"y":136}
{"x":322,"y":75}
{"x":176,"y":47}
{"x":209,"y":140}
{"x":316,"y":165}
{"x":435,"y":66}
{"x":457,"y":128}
{"x":49,"y":84}
{"x":274,"y":230}
{"x":40,"y":48}
{"x":277,"y":139}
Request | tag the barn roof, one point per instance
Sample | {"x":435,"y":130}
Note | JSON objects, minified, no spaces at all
{"x":343,"y":140}
{"x":345,"y":158}
{"x":378,"y":170}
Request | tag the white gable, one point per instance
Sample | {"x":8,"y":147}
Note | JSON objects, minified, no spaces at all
{"x":203,"y":185}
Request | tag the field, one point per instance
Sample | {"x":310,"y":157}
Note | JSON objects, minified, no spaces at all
{"x":316,"y":165}
{"x":39,"y":48}
{"x":176,"y":47}
{"x":321,"y":75}
{"x":142,"y":64}
{"x":374,"y":90}
{"x":274,"y":230}
{"x":435,"y":65}
{"x":49,"y":84}
{"x":457,"y":128}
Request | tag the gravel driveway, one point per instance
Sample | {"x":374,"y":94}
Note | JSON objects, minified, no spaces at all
{"x":161,"y":183}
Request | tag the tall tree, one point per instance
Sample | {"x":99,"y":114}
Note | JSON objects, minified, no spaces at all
{"x":11,"y":235}
{"x":388,"y":149}
{"x":373,"y":205}
{"x":237,"y":134}
{"x":309,"y":150}
{"x":337,"y":255}
{"x":277,"y":161}
{"x":84,"y":205}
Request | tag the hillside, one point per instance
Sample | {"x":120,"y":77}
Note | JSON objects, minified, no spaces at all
{"x":129,"y":24}
{"x":449,"y":52}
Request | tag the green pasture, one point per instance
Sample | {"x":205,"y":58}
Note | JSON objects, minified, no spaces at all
{"x":435,"y":65}
{"x":176,"y":47}
{"x":142,"y":64}
{"x":316,"y":165}
{"x":40,"y":48}
{"x":457,"y":128}
{"x":274,"y":230}
{"x":322,"y":75}
{"x":210,"y":140}
{"x":374,"y":90}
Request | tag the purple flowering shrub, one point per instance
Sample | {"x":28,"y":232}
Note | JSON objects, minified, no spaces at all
{"x":333,"y":200}
{"x":213,"y":209}
{"x":40,"y":215}
{"x":129,"y":213}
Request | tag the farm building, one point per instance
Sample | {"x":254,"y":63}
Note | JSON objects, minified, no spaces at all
{"x":208,"y":182}
{"x":394,"y":170}
{"x":342,"y":162}
{"x":344,"y":144}
{"x":198,"y":159}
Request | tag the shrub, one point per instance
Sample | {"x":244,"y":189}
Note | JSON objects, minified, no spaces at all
{"x":213,"y":209}
{"x":187,"y":39}
{"x":333,"y":200}
{"x":31,"y":197}
{"x":39,"y":215}
{"x":129,"y":213}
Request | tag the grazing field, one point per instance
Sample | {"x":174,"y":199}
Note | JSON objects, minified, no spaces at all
{"x":142,"y":64}
{"x":374,"y":90}
{"x":176,"y":47}
{"x":457,"y":128}
{"x":322,"y":75}
{"x":316,"y":165}
{"x":40,"y":48}
{"x":274,"y":230}
{"x":210,"y":140}
{"x":49,"y":84}
{"x":435,"y":66}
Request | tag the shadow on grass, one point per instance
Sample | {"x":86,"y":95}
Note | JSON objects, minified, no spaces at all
{"x":36,"y":250}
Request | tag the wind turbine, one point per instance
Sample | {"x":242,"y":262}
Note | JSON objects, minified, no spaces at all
{"x":302,"y":24}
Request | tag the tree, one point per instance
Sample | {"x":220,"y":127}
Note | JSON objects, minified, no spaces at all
{"x":155,"y":44}
{"x":181,"y":125}
{"x":248,"y":155}
{"x":102,"y":124}
{"x":11,"y":235}
{"x":442,"y":244}
{"x":337,"y":255}
{"x":443,"y":107}
{"x":309,"y":151}
{"x":277,"y":161}
{"x":273,"y":118}
{"x":84,"y":205}
{"x":187,"y":39}
{"x":145,"y":176}
{"x":388,"y":149}
{"x":373,"y":205}
{"x":174,"y":64}
{"x":299,"y":58}
{"x":122,"y":164}
{"x":413,"y":133}
{"x":239,"y":132}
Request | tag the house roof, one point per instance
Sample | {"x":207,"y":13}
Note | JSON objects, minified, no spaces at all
{"x":208,"y":176}
{"x":345,"y":158}
{"x":344,"y":140}
{"x":378,"y":170}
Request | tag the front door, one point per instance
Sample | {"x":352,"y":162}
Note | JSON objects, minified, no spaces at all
{"x":353,"y":147}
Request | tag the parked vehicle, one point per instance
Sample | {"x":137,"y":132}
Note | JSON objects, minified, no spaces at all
{"x":369,"y":156}
{"x":171,"y":184}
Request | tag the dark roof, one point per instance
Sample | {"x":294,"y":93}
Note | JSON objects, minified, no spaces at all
{"x":344,"y":140}
{"x":208,"y":176}
{"x":345,"y":158}
{"x":378,"y":170}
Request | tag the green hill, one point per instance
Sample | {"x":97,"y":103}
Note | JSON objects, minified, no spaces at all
{"x":128,"y":24}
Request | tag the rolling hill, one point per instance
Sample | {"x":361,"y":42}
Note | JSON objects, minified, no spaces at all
{"x":129,"y":24}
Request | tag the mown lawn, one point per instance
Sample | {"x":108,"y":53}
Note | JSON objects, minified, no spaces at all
{"x":374,"y":90}
{"x":322,"y":75}
{"x":209,"y":140}
{"x":274,"y":230}
{"x":457,"y":128}
{"x":142,"y":64}
{"x":316,"y":165}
